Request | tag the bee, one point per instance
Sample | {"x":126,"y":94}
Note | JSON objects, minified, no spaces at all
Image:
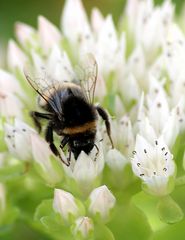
{"x":68,"y":107}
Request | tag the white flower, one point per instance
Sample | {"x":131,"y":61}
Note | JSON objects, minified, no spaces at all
{"x":107,"y":38}
{"x":115,"y":160}
{"x":65,"y":204}
{"x":75,"y":25}
{"x":49,"y":35}
{"x":154,"y":165}
{"x":26,"y":35}
{"x":43,"y":157}
{"x":18,"y":139}
{"x":10,"y":105}
{"x":84,"y":226}
{"x":87,"y":167}
{"x":101,"y":202}
{"x":15,"y":56}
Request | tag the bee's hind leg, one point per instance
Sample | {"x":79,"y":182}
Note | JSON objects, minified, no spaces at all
{"x":105,"y":117}
{"x":36,"y":116}
{"x":49,"y":139}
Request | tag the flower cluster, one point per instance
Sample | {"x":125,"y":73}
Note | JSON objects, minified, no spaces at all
{"x":141,"y":84}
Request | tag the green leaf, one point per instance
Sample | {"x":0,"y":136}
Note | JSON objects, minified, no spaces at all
{"x":44,"y":209}
{"x":169,"y":211}
{"x":147,"y":204}
{"x":103,"y":232}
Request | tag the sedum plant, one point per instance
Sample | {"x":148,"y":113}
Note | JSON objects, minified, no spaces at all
{"x":135,"y":190}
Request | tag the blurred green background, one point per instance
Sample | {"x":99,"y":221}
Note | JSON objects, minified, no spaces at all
{"x":27,"y":11}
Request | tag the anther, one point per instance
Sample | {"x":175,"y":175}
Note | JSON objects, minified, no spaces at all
{"x":156,"y":142}
{"x":138,"y":164}
{"x":163,"y":148}
{"x":165,"y":169}
{"x":134,"y":152}
{"x":141,"y":175}
{"x":145,"y":151}
{"x":166,"y":153}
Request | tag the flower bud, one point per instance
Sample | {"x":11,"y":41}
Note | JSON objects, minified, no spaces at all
{"x":65,"y":204}
{"x":116,"y":160}
{"x":43,"y":156}
{"x":101,"y":202}
{"x":84,"y":227}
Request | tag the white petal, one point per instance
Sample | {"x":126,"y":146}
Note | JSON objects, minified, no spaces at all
{"x":97,"y":20}
{"x":15,"y":56}
{"x":48,"y":33}
{"x":84,"y":225}
{"x":84,"y":169}
{"x":74,"y":21}
{"x":115,"y":160}
{"x":59,"y":65}
{"x":10,"y":105}
{"x":9,"y":83}
{"x":101,"y":201}
{"x":64,"y":203}
{"x":25,"y":34}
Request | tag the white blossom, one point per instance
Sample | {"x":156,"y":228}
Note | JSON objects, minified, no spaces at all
{"x":18,"y":139}
{"x":101,"y":202}
{"x":86,"y":168}
{"x":15,"y":56}
{"x":42,"y":156}
{"x":49,"y":35}
{"x":84,"y":226}
{"x":154,"y":164}
{"x":64,"y":203}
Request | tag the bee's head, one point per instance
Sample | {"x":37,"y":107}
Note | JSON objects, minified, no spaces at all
{"x":82,"y":143}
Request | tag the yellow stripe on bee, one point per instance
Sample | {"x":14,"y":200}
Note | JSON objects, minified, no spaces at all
{"x":80,"y":129}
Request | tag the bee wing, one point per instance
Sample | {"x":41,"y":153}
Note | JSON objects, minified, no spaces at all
{"x":87,"y":73}
{"x":44,"y":85}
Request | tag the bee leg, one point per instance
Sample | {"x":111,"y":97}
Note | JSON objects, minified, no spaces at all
{"x":49,"y":139}
{"x":69,"y":158}
{"x":64,"y":142}
{"x":105,"y":117}
{"x":96,"y":152}
{"x":37,"y":115}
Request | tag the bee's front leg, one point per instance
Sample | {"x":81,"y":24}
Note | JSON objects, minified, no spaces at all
{"x":49,"y":139}
{"x":64,"y":141}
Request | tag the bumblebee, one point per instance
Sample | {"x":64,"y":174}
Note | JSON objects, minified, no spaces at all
{"x":69,"y":110}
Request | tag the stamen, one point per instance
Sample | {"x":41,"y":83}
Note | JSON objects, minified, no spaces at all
{"x":166,"y":153}
{"x":138,"y":164}
{"x":156,"y":142}
{"x":141,"y":175}
{"x":134,"y":152}
{"x":165,"y":169}
{"x":145,"y":151}
{"x":163,"y":148}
